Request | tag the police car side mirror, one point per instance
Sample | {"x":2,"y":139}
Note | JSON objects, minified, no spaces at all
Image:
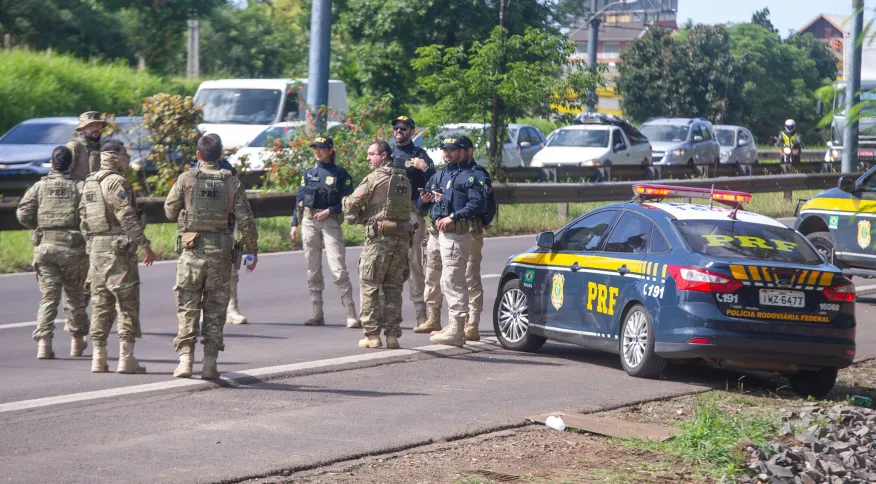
{"x":847,"y":184}
{"x":545,"y":240}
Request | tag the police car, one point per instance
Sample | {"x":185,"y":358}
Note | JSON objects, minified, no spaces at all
{"x":840,"y":222}
{"x":654,"y":282}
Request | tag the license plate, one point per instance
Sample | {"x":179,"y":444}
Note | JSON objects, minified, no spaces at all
{"x":772,"y":297}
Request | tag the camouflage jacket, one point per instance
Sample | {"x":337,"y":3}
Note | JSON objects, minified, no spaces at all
{"x":121,"y":207}
{"x":28,"y":208}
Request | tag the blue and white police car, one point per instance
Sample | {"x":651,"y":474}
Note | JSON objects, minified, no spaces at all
{"x":654,"y":281}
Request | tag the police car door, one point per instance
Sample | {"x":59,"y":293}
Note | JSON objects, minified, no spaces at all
{"x":855,"y":224}
{"x":629,"y":270}
{"x":564,"y":294}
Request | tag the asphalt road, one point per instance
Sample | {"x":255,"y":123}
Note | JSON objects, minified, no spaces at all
{"x":233,"y":431}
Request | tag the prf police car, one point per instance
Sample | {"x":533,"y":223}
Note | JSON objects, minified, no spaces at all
{"x":840,"y":223}
{"x":655,"y":281}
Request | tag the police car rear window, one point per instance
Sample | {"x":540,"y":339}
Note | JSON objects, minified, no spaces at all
{"x":730,"y":239}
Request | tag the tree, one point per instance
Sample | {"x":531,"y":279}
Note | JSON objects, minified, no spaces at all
{"x":524,"y":71}
{"x":825,"y":61}
{"x":762,"y":18}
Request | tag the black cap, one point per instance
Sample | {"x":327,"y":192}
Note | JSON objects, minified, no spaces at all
{"x":322,"y":142}
{"x":453,"y":143}
{"x":405,"y":120}
{"x":465,"y":142}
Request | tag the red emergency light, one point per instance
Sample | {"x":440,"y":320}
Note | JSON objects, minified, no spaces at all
{"x":727,"y":197}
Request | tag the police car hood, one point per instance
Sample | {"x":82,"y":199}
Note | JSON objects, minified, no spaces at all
{"x":234,"y":134}
{"x":16,"y":154}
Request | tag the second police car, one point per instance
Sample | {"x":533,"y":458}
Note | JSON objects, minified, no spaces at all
{"x":656,"y":281}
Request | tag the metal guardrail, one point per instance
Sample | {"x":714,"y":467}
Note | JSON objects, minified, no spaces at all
{"x":281,"y":204}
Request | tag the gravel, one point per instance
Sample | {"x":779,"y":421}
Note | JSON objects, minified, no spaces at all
{"x":835,"y":445}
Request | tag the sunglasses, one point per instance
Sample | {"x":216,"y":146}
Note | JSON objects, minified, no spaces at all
{"x":400,"y":128}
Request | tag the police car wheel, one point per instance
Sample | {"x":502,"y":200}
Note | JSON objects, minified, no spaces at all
{"x":823,"y":243}
{"x":511,"y":320}
{"x":637,"y":345}
{"x":815,"y":384}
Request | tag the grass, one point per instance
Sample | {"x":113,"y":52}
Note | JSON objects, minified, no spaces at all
{"x":16,"y":251}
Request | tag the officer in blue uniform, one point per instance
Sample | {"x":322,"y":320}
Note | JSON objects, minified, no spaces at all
{"x":318,"y":212}
{"x":456,"y":202}
{"x":419,"y":168}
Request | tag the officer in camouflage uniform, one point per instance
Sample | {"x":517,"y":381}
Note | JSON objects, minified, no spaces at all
{"x":51,"y":207}
{"x":207,"y":202}
{"x":85,"y":145}
{"x":382,"y":202}
{"x":114,"y":227}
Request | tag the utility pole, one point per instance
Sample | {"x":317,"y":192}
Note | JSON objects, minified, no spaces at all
{"x":853,"y":90}
{"x":592,"y":44}
{"x":193,"y":59}
{"x":318,"y":63}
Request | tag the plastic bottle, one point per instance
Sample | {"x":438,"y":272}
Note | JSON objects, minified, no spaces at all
{"x":247,"y":261}
{"x":862,"y":401}
{"x":555,"y":423}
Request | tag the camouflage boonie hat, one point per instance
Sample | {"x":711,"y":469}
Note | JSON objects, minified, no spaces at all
{"x":89,"y":117}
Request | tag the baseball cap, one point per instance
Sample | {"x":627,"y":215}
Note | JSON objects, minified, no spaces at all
{"x":453,"y":143}
{"x":405,"y":120}
{"x":322,"y":142}
{"x":465,"y":142}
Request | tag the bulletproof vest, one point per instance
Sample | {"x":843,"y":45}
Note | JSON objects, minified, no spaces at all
{"x":491,"y":208}
{"x":96,"y":215}
{"x":397,"y":205}
{"x":209,"y":200}
{"x":57,"y":204}
{"x":93,"y":160}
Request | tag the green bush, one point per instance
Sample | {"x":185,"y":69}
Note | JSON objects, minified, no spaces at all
{"x":35,"y":84}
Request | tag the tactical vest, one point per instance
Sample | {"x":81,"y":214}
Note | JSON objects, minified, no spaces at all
{"x":57,"y":204}
{"x":397,"y":206}
{"x":96,"y":215}
{"x":209,"y":201}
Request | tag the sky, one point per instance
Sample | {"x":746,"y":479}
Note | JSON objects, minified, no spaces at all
{"x":784,"y":14}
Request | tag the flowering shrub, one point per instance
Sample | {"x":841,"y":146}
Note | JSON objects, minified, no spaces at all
{"x":171,"y":122}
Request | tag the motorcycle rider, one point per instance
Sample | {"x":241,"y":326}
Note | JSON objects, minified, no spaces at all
{"x":790,"y":138}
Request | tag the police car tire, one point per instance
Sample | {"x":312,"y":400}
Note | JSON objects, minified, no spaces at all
{"x":816,"y":384}
{"x":530,"y":342}
{"x":824,"y":240}
{"x":651,"y":365}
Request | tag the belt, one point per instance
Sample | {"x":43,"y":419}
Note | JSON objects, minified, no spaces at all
{"x":462,"y":227}
{"x":310,"y":212}
{"x":213,"y":240}
{"x":106,"y":242}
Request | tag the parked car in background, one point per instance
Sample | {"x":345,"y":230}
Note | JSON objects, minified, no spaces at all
{"x":130,"y":131}
{"x":592,"y":145}
{"x":257,"y":152}
{"x":26,"y":149}
{"x":521,"y":143}
{"x":678,"y":141}
{"x":737,"y":144}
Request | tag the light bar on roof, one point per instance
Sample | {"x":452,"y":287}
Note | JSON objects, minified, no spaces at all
{"x":665,"y":191}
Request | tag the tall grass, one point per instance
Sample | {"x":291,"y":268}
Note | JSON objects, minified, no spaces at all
{"x":36,"y":84}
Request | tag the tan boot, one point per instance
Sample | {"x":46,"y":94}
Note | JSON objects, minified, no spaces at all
{"x":127,"y":362}
{"x":455,"y":335}
{"x":78,"y":345}
{"x":371,"y":342}
{"x":318,"y":318}
{"x":433,"y":322}
{"x":422,"y":316}
{"x":44,"y":349}
{"x":352,"y":319}
{"x":208,"y":365}
{"x":98,"y":360}
{"x":472,"y":331}
{"x":392,"y":342}
{"x":233,"y":316}
{"x":186,"y":355}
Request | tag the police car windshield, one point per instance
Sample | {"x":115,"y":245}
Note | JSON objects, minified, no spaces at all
{"x":665,"y":132}
{"x":730,"y":239}
{"x":239,"y":106}
{"x":39,"y":134}
{"x":582,"y":138}
{"x":270,"y":134}
{"x":725,"y":137}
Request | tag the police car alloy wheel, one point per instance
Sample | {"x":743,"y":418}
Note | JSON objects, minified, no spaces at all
{"x":823,"y":242}
{"x":511,"y":320}
{"x":813,"y":383}
{"x":637,"y":345}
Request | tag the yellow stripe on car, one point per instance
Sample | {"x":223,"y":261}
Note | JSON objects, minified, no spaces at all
{"x":840,"y":205}
{"x":584,"y":261}
{"x":739,"y":273}
{"x":826,"y":279}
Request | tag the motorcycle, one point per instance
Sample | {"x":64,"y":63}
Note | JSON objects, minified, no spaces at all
{"x":790,"y":149}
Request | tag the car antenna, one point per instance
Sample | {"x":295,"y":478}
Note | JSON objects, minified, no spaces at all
{"x":712,"y":196}
{"x":735,"y":209}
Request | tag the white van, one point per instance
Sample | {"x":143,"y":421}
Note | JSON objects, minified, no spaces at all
{"x":238,"y":110}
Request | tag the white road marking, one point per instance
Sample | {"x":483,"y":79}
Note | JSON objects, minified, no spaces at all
{"x":24,"y":325}
{"x":307,"y":367}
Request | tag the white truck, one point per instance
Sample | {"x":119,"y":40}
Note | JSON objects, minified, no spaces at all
{"x":238,"y":110}
{"x":867,"y":121}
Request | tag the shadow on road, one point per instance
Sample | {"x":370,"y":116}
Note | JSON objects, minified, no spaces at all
{"x":225,"y":335}
{"x":259,"y":384}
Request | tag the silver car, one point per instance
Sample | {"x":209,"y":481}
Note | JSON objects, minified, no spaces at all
{"x":26,"y":149}
{"x":679,"y":141}
{"x":737,"y":144}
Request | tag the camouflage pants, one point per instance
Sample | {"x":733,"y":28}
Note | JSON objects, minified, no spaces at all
{"x":115,"y":291}
{"x":383,"y":265}
{"x":58,"y":267}
{"x":203,"y":283}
